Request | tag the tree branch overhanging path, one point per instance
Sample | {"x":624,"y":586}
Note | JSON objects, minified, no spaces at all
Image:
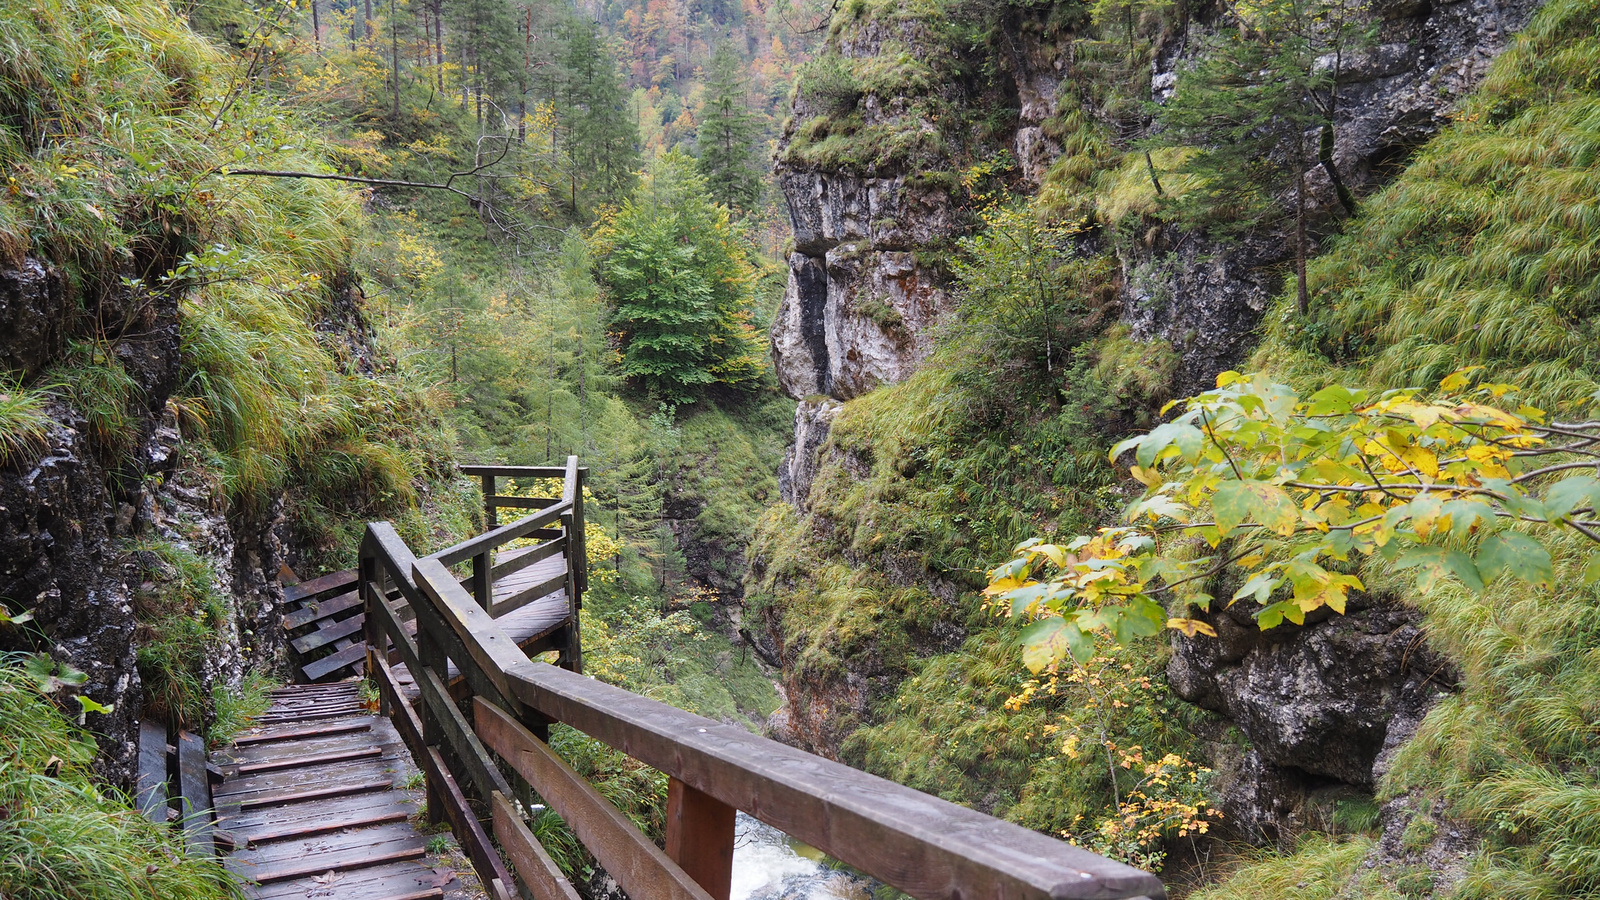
{"x":478,"y":203}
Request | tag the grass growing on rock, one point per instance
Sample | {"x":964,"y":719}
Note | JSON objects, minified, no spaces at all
{"x":1483,"y":252}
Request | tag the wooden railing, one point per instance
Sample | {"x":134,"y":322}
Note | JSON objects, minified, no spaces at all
{"x":490,"y":729}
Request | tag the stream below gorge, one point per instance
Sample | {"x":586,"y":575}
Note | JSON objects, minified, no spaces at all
{"x":770,"y":865}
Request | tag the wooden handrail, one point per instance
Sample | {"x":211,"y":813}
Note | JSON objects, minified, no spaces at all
{"x":927,"y":847}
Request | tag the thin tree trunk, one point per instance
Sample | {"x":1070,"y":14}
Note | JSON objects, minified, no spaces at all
{"x":394,"y":58}
{"x":438,"y":42}
{"x":1302,"y":294}
{"x":316,"y":23}
{"x":1150,"y":165}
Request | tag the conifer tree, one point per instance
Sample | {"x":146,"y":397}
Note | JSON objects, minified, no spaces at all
{"x":728,"y":130}
{"x":602,"y":140}
{"x":1255,"y":106}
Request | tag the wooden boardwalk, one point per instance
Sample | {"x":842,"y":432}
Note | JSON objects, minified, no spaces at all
{"x":312,"y":800}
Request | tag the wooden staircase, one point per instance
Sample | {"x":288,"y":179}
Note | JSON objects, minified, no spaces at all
{"x":528,"y":574}
{"x":314,"y":803}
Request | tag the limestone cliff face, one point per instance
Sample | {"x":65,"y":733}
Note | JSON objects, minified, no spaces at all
{"x":1319,"y":705}
{"x":1207,"y":298}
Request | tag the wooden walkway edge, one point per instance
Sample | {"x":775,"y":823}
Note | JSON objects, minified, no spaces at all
{"x":313,"y":803}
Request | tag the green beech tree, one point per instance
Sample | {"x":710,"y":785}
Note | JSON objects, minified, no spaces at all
{"x":678,"y":279}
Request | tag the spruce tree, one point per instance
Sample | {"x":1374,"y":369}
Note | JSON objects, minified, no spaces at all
{"x":728,"y":131}
{"x":1257,"y":109}
{"x":602,"y":146}
{"x":678,"y":281}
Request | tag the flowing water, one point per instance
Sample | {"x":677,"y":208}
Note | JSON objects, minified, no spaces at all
{"x":770,"y":865}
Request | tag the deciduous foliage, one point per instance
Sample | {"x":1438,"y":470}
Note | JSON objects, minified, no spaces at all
{"x":1294,"y":491}
{"x":678,"y":279}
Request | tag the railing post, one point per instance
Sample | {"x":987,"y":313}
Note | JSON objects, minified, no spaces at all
{"x":489,"y":509}
{"x":431,"y":654}
{"x":700,"y":837}
{"x":482,"y":588}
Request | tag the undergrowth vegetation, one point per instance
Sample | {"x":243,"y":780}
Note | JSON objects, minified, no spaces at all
{"x":1487,"y":249}
{"x":126,"y":121}
{"x":1481,"y":252}
{"x":63,"y":835}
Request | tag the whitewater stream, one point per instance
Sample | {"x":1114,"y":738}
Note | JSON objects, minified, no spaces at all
{"x":770,"y":865}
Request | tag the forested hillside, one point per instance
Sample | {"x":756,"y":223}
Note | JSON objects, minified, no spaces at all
{"x":869,"y":320}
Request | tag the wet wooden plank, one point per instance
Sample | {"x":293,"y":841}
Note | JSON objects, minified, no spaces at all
{"x":642,"y":869}
{"x":294,"y":593}
{"x":338,"y":843}
{"x":308,"y":744}
{"x":340,"y":710}
{"x":315,"y":610}
{"x":246,"y":823}
{"x":194,"y":786}
{"x":538,"y":871}
{"x":238,"y":790}
{"x":522,"y":598}
{"x":699,"y":837}
{"x":508,"y":562}
{"x":328,"y":665}
{"x":328,"y":633}
{"x":925,"y":846}
{"x":309,"y":760}
{"x":309,"y":863}
{"x":390,"y":881}
{"x":152,"y":784}
{"x":310,"y":795}
{"x":298,"y":733}
{"x":326,"y":824}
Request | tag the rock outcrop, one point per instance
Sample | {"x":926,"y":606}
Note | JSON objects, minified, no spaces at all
{"x":76,"y":511}
{"x":1323,"y":703}
{"x":1206,"y":297}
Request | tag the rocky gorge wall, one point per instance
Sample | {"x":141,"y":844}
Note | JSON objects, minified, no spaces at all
{"x":77,"y":514}
{"x":1310,"y":708}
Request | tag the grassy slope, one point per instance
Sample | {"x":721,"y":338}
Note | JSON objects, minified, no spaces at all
{"x":1483,"y":252}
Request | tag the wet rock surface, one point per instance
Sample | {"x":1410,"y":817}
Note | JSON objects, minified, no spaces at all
{"x":76,"y":511}
{"x":1314,"y":706}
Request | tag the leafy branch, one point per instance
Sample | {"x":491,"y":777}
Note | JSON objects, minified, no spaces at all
{"x":1294,"y":491}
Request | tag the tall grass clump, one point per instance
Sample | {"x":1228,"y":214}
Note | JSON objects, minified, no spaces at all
{"x":23,"y":421}
{"x":122,"y":125}
{"x":179,"y":611}
{"x":63,"y":837}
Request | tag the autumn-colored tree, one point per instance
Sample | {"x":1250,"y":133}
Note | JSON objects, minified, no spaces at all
{"x":1292,"y":492}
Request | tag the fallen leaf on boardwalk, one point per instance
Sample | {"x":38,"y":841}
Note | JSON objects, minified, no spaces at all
{"x":328,"y":877}
{"x":437,"y":878}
